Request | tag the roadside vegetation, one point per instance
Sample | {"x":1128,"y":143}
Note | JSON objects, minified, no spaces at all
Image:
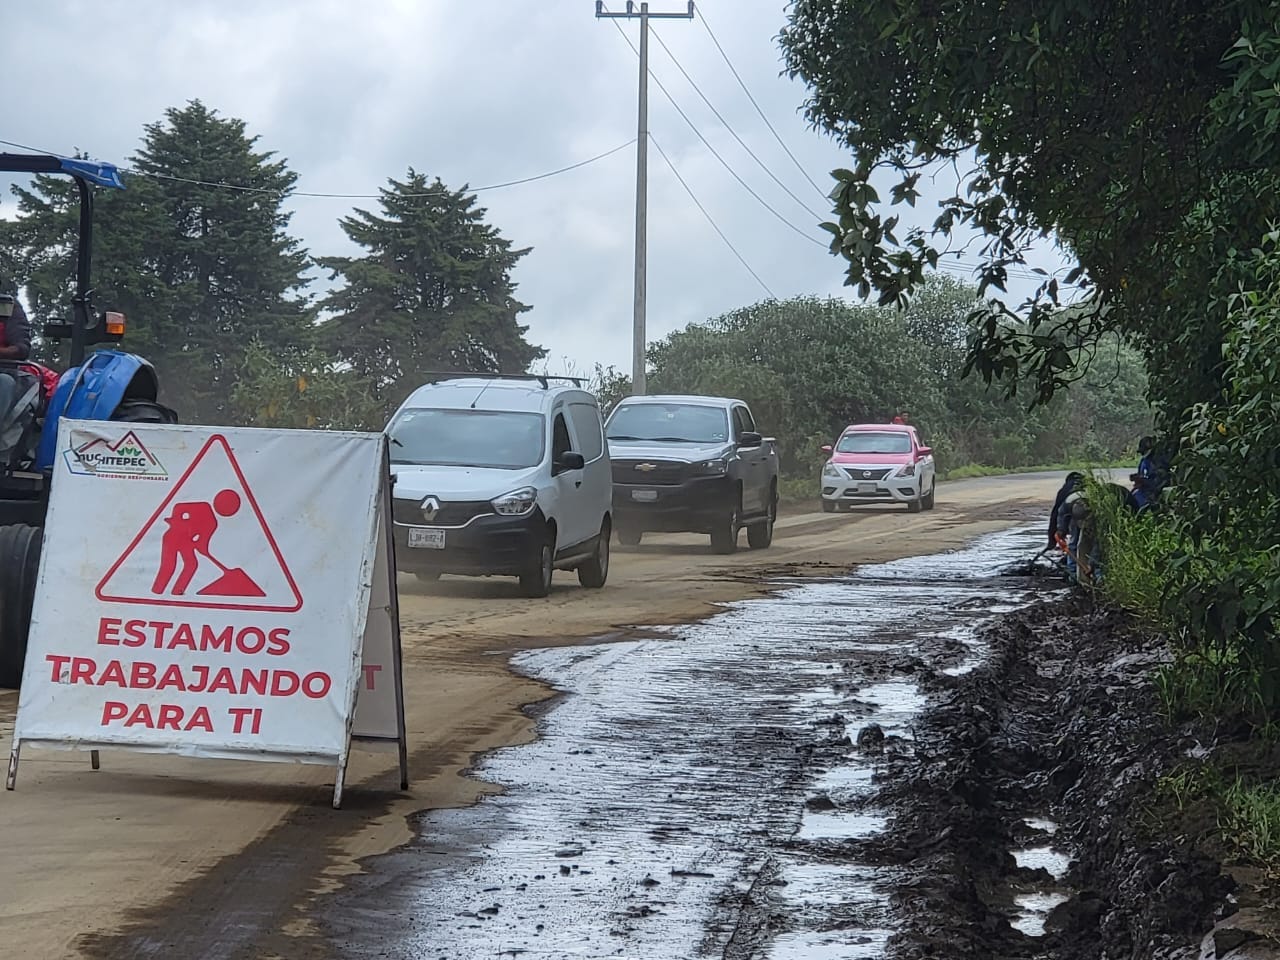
{"x":1145,"y":139}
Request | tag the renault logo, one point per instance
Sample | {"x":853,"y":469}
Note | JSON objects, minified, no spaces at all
{"x":430,"y":508}
{"x":646,"y":467}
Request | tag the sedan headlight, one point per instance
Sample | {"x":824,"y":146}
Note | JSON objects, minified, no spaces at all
{"x":714,"y":467}
{"x":907,"y":471}
{"x":831,"y":470}
{"x":516,"y":503}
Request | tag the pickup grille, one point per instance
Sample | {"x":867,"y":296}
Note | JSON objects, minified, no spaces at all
{"x":454,"y":513}
{"x":655,"y":473}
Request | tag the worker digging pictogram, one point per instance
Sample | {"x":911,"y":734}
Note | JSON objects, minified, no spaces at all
{"x":207,"y":545}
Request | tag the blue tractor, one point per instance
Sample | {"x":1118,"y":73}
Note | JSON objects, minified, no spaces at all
{"x":105,"y":384}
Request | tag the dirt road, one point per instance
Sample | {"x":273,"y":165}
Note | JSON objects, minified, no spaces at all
{"x":158,"y":856}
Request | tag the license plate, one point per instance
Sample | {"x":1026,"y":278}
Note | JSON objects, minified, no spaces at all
{"x":866,"y":488}
{"x":646,"y":495}
{"x":428,"y":538}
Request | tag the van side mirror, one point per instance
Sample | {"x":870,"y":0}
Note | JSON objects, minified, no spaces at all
{"x":749,"y":438}
{"x":569,"y":461}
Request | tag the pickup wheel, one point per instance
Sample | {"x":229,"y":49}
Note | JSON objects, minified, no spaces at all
{"x":19,"y":565}
{"x":724,"y":535}
{"x":760,"y":535}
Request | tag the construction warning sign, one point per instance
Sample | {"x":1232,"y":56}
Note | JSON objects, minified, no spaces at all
{"x":239,"y":604}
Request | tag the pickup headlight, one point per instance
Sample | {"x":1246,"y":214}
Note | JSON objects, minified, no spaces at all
{"x":831,"y":470}
{"x":907,"y":471}
{"x":714,"y":467}
{"x":516,"y":503}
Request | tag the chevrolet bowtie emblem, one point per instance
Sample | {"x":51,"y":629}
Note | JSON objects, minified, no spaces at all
{"x":646,"y":467}
{"x":430,"y":507}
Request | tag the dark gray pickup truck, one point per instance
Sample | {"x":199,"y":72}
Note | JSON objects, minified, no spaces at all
{"x":692,"y":464}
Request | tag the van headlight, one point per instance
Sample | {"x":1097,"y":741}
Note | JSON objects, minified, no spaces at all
{"x":715,"y":467}
{"x":831,"y":470}
{"x":516,"y":503}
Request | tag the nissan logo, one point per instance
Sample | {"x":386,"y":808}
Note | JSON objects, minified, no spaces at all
{"x":430,"y":508}
{"x":866,"y":474}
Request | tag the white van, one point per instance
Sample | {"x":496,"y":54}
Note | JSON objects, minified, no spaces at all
{"x":501,"y":476}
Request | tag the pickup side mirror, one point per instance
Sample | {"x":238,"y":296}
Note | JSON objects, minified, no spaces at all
{"x":568,"y":461}
{"x":749,"y":438}
{"x":826,"y":448}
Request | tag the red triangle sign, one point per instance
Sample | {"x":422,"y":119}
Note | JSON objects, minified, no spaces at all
{"x":207,"y":546}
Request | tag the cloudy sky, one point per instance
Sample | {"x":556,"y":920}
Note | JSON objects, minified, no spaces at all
{"x":477,"y":92}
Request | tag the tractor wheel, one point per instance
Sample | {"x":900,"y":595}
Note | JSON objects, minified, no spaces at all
{"x":143,"y":411}
{"x":19,"y":564}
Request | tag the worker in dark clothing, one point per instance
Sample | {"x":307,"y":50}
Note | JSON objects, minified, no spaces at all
{"x":1058,"y":522}
{"x":15,"y":330}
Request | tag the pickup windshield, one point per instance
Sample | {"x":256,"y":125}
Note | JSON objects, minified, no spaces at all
{"x":468,"y":438}
{"x":669,"y":423}
{"x":865,"y":442}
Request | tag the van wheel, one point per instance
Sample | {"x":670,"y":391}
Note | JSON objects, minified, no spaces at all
{"x":595,"y":571}
{"x":19,"y":565}
{"x":536,"y":581}
{"x":724,"y":535}
{"x":629,"y":537}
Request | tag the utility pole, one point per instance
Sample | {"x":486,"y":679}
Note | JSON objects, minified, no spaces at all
{"x":642,"y":178}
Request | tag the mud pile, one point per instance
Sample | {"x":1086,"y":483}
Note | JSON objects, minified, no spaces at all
{"x":1022,"y":821}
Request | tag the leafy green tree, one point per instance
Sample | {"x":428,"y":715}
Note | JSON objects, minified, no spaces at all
{"x":195,"y":251}
{"x":1141,"y":135}
{"x":433,"y":292}
{"x":301,"y":388}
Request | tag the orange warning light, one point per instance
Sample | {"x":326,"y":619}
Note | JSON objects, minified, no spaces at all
{"x":115,"y":324}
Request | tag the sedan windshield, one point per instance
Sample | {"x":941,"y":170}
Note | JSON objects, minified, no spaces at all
{"x":468,"y":438}
{"x":874,"y":443}
{"x":669,"y":423}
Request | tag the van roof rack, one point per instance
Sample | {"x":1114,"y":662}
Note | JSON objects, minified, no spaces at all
{"x":435,"y":376}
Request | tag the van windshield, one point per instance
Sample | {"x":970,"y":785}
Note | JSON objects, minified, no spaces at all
{"x":865,"y":442}
{"x":669,"y":423}
{"x":468,"y":438}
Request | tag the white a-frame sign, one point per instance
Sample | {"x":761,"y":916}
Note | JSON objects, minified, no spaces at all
{"x":236,"y":600}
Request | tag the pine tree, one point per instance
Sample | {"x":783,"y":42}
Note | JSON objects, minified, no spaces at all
{"x":433,"y":292}
{"x":200,"y":270}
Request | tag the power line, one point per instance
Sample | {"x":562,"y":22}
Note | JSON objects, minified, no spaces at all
{"x":813,"y":213}
{"x":343,"y":196}
{"x":743,"y":85}
{"x":710,"y":219}
{"x":724,"y":163}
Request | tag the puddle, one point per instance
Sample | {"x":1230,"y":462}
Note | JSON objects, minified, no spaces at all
{"x":1043,"y":858}
{"x":1034,"y":910}
{"x":635,"y":824}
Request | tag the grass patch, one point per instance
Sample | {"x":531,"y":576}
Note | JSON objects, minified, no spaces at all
{"x":972,"y":471}
{"x":1250,"y":822}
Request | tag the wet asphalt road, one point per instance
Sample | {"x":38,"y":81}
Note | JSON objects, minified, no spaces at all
{"x":689,"y":793}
